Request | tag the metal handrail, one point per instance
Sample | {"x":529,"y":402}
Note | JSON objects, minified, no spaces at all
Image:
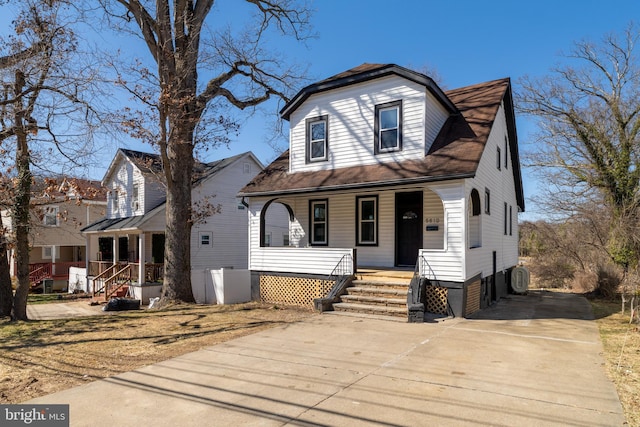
{"x":417,"y":289}
{"x":340,"y":277}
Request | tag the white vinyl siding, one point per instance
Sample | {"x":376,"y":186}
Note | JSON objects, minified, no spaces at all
{"x":227,"y":228}
{"x":351,"y":114}
{"x":501,"y":184}
{"x":445,"y":245}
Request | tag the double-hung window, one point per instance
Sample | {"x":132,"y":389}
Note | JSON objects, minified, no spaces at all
{"x":388,"y":127}
{"x":317,"y":141}
{"x":50,"y":218}
{"x":367,"y":217}
{"x":319,"y":222}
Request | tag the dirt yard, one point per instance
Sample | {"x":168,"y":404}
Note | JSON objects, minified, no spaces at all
{"x":41,"y":357}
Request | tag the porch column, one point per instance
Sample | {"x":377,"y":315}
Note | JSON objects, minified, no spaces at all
{"x":88,"y":249}
{"x":141,"y":260}
{"x":53,"y":260}
{"x":116,"y":249}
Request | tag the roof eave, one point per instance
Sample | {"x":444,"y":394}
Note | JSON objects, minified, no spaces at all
{"x":386,"y":183}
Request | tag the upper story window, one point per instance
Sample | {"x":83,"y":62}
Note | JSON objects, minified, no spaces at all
{"x":115,"y":200}
{"x":317,"y":140}
{"x":135,"y":201}
{"x":50,"y":218}
{"x":319,"y":222}
{"x":498,"y":159}
{"x":388,"y":127}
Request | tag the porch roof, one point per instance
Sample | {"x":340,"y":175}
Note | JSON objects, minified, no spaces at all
{"x":454,"y":154}
{"x":123,"y":224}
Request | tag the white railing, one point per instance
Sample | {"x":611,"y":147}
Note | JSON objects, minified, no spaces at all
{"x":301,"y":260}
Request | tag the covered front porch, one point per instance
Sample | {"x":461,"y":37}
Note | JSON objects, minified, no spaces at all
{"x":124,"y":262}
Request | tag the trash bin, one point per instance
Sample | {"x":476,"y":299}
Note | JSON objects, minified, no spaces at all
{"x":47,"y":285}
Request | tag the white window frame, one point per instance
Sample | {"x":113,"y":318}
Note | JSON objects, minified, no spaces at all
{"x":135,"y":197}
{"x":379,"y":109}
{"x":324,"y":120}
{"x":47,"y":252}
{"x":205,"y":239}
{"x":51,"y":211}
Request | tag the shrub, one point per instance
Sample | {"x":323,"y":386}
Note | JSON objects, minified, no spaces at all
{"x":609,"y":280}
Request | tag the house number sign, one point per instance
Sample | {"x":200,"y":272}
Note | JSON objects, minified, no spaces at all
{"x":432,"y":223}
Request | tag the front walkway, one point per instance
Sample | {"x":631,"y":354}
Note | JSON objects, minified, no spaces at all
{"x":528,"y":361}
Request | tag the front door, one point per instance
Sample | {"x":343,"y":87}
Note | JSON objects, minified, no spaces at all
{"x":408,"y":227}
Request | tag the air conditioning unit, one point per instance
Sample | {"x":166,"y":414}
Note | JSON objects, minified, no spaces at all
{"x":520,"y":280}
{"x":135,"y":205}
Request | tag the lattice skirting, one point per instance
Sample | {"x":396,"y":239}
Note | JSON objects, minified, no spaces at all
{"x":292,"y":290}
{"x":473,"y":298}
{"x":436,"y":299}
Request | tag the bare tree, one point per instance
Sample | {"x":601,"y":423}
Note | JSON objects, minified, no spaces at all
{"x":39,"y":104}
{"x":588,"y":144}
{"x":200,"y":71}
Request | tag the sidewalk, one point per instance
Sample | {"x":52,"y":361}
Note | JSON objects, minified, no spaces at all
{"x":528,"y":361}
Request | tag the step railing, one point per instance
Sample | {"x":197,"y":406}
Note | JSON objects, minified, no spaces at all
{"x":341,"y":276}
{"x":101,"y":278}
{"x":120,"y":278}
{"x":417,"y":290}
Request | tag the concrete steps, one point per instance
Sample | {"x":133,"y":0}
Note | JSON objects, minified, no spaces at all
{"x":378,"y":294}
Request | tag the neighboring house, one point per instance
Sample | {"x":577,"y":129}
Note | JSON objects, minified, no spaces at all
{"x":55,"y":238}
{"x":386,"y":170}
{"x":128,"y":244}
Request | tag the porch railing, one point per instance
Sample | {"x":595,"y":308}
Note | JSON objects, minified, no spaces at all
{"x":39,"y":271}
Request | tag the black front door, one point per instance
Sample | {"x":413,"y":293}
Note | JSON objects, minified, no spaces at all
{"x":157,"y":248}
{"x":408,"y":227}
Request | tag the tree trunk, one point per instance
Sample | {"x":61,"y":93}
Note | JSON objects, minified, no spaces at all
{"x":6,"y":293}
{"x":20,"y":215}
{"x":177,"y":264}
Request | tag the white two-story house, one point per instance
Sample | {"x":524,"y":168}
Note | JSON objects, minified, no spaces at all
{"x":127,"y":245}
{"x":386,"y":170}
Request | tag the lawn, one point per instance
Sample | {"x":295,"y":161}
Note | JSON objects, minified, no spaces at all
{"x":621,"y":342}
{"x":41,"y":357}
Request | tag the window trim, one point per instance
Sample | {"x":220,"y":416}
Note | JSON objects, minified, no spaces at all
{"x":49,"y":256}
{"x":498,"y":159}
{"x":207,"y":234}
{"x":487,"y":201}
{"x":505,"y":218}
{"x":510,"y":220}
{"x":308,"y":123}
{"x":378,"y":109}
{"x":50,"y":211}
{"x":312,"y":223}
{"x":359,"y":220}
{"x":506,"y":153}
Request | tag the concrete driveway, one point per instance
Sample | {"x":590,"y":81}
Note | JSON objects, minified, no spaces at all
{"x":528,"y":361}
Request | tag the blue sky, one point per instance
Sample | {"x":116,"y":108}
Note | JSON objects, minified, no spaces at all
{"x":465,"y":41}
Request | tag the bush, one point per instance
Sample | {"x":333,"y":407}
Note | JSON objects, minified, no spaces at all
{"x":551,"y":272}
{"x":584,"y":282}
{"x":609,"y":280}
